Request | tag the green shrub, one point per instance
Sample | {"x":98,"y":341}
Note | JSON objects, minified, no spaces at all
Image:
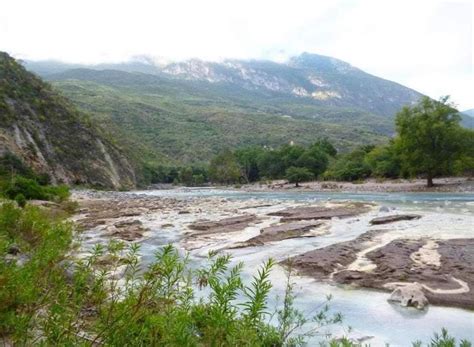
{"x":20,"y":200}
{"x":32,"y":190}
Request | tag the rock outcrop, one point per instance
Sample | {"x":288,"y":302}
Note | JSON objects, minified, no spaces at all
{"x":394,"y":218}
{"x":443,"y":268}
{"x":281,"y":232}
{"x":410,"y":295}
{"x":320,"y":212}
{"x":230,"y":224}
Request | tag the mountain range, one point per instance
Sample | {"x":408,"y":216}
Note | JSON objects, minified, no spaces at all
{"x":186,"y":112}
{"x":107,"y":124}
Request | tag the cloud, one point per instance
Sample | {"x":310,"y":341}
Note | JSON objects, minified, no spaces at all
{"x":426,"y":45}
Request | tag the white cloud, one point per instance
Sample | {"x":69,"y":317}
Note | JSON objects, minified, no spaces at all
{"x":426,"y":45}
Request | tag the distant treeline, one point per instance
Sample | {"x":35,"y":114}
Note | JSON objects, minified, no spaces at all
{"x":429,"y":143}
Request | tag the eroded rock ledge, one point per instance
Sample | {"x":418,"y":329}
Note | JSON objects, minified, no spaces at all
{"x":282,"y":232}
{"x":394,"y":218}
{"x":321,"y":212}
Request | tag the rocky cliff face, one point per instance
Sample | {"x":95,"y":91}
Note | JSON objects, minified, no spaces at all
{"x":325,"y":80}
{"x":51,"y":136}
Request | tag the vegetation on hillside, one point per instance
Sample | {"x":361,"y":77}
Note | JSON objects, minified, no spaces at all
{"x":21,"y":183}
{"x":176,"y":122}
{"x":47,"y":132}
{"x":429,"y":143}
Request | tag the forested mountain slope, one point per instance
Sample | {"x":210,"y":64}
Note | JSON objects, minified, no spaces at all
{"x":47,"y":132}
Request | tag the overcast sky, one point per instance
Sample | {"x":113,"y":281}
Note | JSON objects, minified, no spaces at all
{"x":426,"y":45}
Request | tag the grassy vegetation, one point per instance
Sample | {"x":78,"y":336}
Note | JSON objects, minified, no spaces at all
{"x":19,"y":182}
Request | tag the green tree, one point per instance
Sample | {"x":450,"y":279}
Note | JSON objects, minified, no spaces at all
{"x":186,"y":176}
{"x":351,"y":166}
{"x":298,"y":174}
{"x":383,"y":161}
{"x":248,"y":161}
{"x":314,"y":159}
{"x":429,"y":138}
{"x":224,"y":168}
{"x":325,"y":146}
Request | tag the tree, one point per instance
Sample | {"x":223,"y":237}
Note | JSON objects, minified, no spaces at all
{"x":185,"y":176}
{"x":429,"y":138}
{"x":224,"y":168}
{"x":383,"y":161}
{"x":248,"y":161}
{"x":325,"y":146}
{"x":289,"y":154}
{"x":351,"y":166}
{"x":314,"y":159}
{"x":298,"y":174}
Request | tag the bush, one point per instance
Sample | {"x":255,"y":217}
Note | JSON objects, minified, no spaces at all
{"x":20,"y":200}
{"x":350,"y":167}
{"x":32,"y":190}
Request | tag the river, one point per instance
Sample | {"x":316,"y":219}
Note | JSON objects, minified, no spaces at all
{"x":367,"y":312}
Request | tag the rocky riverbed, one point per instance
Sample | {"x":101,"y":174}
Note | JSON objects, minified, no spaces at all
{"x":384,"y":256}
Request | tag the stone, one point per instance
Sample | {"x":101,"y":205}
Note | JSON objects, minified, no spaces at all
{"x":410,"y":295}
{"x":394,"y":218}
{"x":13,"y":249}
{"x":384,"y":209}
{"x":281,"y":232}
{"x":320,"y":212}
{"x":224,"y":225}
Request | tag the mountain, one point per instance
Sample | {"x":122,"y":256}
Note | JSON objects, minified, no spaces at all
{"x":319,"y":79}
{"x":468,"y":118}
{"x":470,"y":112}
{"x":45,"y":130}
{"x":323,"y":80}
{"x":188,"y":111}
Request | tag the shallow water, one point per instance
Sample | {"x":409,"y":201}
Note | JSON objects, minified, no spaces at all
{"x":367,"y":312}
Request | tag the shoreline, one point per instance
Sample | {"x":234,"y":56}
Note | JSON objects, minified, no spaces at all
{"x":442,"y":185}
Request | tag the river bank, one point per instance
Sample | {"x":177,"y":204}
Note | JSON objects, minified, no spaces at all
{"x":448,"y":184}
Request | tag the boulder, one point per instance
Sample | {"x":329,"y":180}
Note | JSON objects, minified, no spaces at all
{"x":410,"y":295}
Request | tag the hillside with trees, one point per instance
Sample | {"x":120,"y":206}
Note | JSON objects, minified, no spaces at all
{"x":48,"y":134}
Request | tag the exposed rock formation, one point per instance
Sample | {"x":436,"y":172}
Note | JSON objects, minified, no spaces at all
{"x":444,"y":268}
{"x":321,"y":212}
{"x":282,"y":232}
{"x":394,"y":218}
{"x":51,"y":136}
{"x":224,"y":225}
{"x":410,"y":295}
